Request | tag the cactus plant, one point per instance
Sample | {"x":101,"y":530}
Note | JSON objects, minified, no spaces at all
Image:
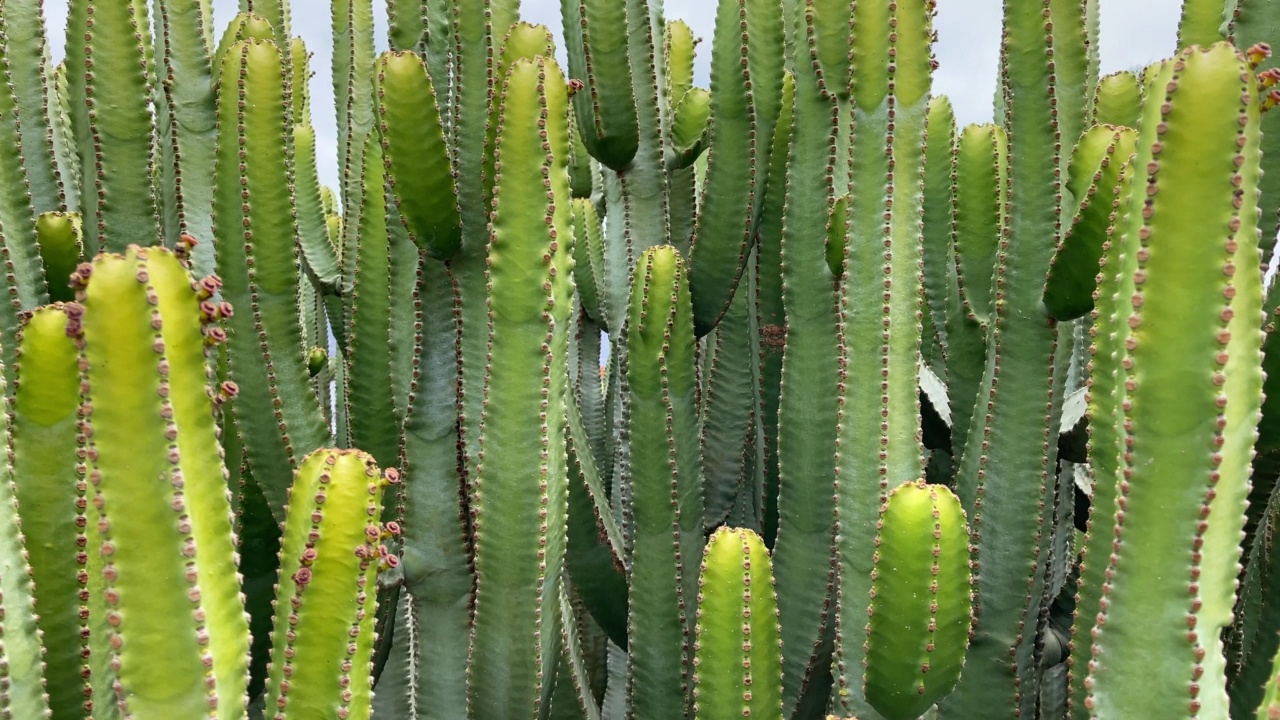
{"x":807,"y":282}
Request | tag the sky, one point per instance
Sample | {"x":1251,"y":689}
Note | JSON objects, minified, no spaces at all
{"x":1133,"y":33}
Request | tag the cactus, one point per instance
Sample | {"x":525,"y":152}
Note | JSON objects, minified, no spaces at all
{"x":807,"y":283}
{"x":921,"y":608}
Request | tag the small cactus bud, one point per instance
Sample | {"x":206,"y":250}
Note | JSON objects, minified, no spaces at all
{"x":317,"y":361}
{"x":1258,"y":53}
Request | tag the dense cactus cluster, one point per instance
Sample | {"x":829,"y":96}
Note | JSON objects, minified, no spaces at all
{"x":896,"y":419}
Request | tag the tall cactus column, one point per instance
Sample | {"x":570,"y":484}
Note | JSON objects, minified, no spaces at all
{"x":1006,"y":472}
{"x":520,"y":491}
{"x":881,"y":299}
{"x":1190,"y":390}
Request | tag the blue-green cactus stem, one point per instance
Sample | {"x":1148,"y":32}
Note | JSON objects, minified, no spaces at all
{"x":1006,"y":471}
{"x":746,"y":90}
{"x":730,"y":400}
{"x":1182,"y":485}
{"x":245,"y":26}
{"x":61,"y":247}
{"x":332,"y":550}
{"x":47,"y":458}
{"x":878,"y":442}
{"x":807,"y":405}
{"x":588,"y":259}
{"x":771,"y":319}
{"x":24,"y":277}
{"x":417,"y":157}
{"x":1252,"y":644}
{"x":178,"y":632}
{"x":372,"y":424}
{"x":322,"y":265}
{"x":407,"y":25}
{"x":257,"y":253}
{"x":518,"y":553}
{"x":474,"y":29}
{"x":113,"y":62}
{"x":664,"y":498}
{"x":26,"y":51}
{"x":605,"y":107}
{"x":65,"y":155}
{"x":939,"y":217}
{"x":738,"y":650}
{"x":187,"y":127}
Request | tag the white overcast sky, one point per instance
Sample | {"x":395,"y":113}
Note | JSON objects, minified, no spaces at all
{"x":1134,"y":33}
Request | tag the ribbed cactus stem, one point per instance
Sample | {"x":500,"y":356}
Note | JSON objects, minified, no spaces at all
{"x":920,"y":614}
{"x":1191,"y":380}
{"x":737,"y":656}
{"x":178,"y":632}
{"x":332,"y":550}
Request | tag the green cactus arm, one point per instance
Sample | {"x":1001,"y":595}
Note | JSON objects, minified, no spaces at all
{"x":518,"y":553}
{"x":581,"y":173}
{"x":49,"y":484}
{"x":1104,"y":396}
{"x":313,"y":237}
{"x":1006,"y":471}
{"x":1252,"y":642}
{"x":60,"y":238}
{"x":1270,"y":705}
{"x":771,"y":318}
{"x":1118,"y":100}
{"x":275,"y":12}
{"x":279,"y":413}
{"x":679,"y":42}
{"x":979,"y":197}
{"x":115,"y":148}
{"x":24,"y":274}
{"x":168,"y":548}
{"x":186,"y":116}
{"x":574,"y":691}
{"x":746,"y":89}
{"x":435,"y":555}
{"x":520,"y":40}
{"x":664,"y":499}
{"x":1075,"y":56}
{"x":597,"y":50}
{"x":325,"y":598}
{"x":299,"y":81}
{"x":406,"y":24}
{"x":371,"y":415}
{"x":417,"y":157}
{"x":244,"y":26}
{"x":588,"y":259}
{"x":22,"y":27}
{"x":1094,"y":181}
{"x":471,"y":58}
{"x":690,"y":126}
{"x":397,"y":691}
{"x":1249,"y":22}
{"x":402,"y":281}
{"x":353,"y":82}
{"x":738,"y":651}
{"x":807,"y":409}
{"x":729,"y":410}
{"x":593,"y":559}
{"x":65,"y":156}
{"x":1202,"y":23}
{"x":921,"y":607}
{"x":880,"y":297}
{"x":1200,"y":151}
{"x":940,"y":215}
